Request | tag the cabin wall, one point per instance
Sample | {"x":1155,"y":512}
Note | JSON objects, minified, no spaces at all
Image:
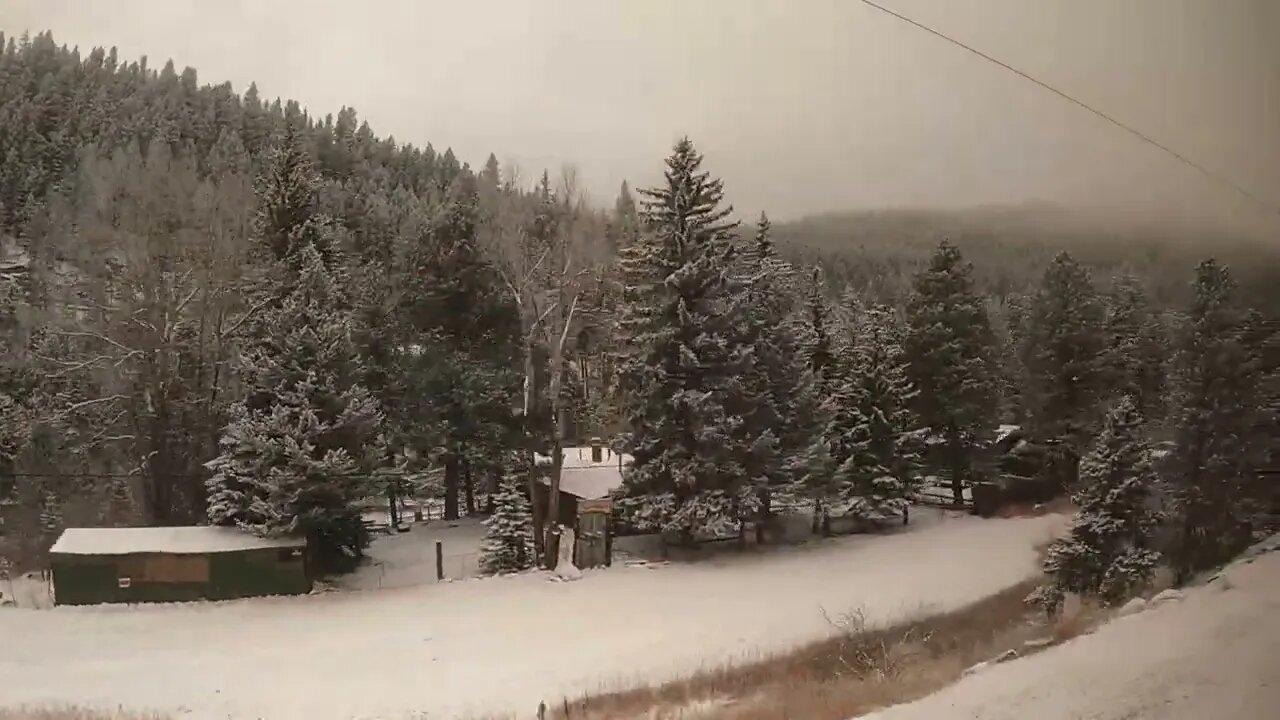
{"x":161,"y":577}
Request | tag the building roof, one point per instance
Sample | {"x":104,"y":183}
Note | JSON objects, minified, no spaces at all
{"x":582,"y":478}
{"x":580,"y":457}
{"x":189,"y":540}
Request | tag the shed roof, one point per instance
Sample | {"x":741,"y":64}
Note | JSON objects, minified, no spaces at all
{"x":188,"y":540}
{"x":580,"y":457}
{"x":589,"y":483}
{"x":582,"y":478}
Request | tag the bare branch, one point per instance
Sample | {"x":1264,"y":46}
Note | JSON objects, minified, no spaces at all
{"x":568,"y":322}
{"x":231,"y":331}
{"x":95,"y":336}
{"x":73,"y":407}
{"x":183,"y":303}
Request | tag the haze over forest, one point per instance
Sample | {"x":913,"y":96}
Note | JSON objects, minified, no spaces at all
{"x":803,"y":107}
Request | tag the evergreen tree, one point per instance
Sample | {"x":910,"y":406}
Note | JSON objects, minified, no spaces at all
{"x":828,"y":469}
{"x":783,"y":393}
{"x":1217,"y":376}
{"x":298,"y":449}
{"x":1065,"y":355}
{"x":508,"y":539}
{"x":817,"y":326}
{"x":459,"y":310}
{"x":864,"y":460}
{"x":886,"y":396}
{"x":684,"y":359}
{"x":1107,"y":553}
{"x":1135,"y":353}
{"x":287,"y":197}
{"x":949,"y":348}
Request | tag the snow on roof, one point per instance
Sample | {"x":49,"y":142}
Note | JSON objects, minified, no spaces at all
{"x":589,"y":483}
{"x":581,"y":477}
{"x":1005,"y":431}
{"x":580,"y":457}
{"x":175,"y":540}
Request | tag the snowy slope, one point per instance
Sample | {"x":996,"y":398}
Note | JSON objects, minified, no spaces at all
{"x":492,"y":645}
{"x":1214,"y":655}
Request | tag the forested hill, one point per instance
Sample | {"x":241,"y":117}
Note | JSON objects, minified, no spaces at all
{"x":218,"y":308}
{"x":145,"y":222}
{"x":1010,"y":246}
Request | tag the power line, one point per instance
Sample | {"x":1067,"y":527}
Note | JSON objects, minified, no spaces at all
{"x":1212,"y":175}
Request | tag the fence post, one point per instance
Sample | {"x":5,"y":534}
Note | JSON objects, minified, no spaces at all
{"x":439,"y":560}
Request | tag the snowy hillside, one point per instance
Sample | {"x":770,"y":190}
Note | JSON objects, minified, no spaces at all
{"x":1213,"y":654}
{"x":494,"y":645}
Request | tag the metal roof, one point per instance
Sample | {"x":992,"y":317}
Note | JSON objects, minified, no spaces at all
{"x":187,"y":540}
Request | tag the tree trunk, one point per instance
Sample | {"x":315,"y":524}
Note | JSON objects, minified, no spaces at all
{"x":551,"y":547}
{"x":491,"y":489}
{"x":766,"y":510}
{"x":393,"y":512}
{"x":468,"y":487}
{"x":530,"y":468}
{"x":451,"y":467}
{"x":956,"y":458}
{"x":817,"y":517}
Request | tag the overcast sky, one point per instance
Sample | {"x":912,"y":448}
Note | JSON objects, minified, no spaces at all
{"x":800,"y":105}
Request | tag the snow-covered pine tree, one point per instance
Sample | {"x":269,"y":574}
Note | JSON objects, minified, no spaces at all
{"x":817,"y":325}
{"x":950,"y":349}
{"x":1216,"y":376}
{"x":785,"y":403}
{"x":1108,"y":552}
{"x":508,"y":539}
{"x":1135,"y":354}
{"x":894,"y":438}
{"x":684,"y":359}
{"x":1065,"y":355}
{"x":863,"y":460}
{"x":286,"y":191}
{"x":298,"y":448}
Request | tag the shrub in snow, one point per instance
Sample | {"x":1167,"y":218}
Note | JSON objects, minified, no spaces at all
{"x":508,"y":540}
{"x":1106,"y":554}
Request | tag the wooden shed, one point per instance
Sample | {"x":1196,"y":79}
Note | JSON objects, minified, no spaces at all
{"x":588,"y":475}
{"x":172,"y":564}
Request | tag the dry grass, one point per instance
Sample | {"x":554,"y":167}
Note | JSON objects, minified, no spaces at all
{"x":856,"y":671}
{"x":68,"y":712}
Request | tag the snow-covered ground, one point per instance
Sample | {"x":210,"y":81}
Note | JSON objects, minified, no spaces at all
{"x":407,"y":559}
{"x":1214,"y":654}
{"x":494,"y":645}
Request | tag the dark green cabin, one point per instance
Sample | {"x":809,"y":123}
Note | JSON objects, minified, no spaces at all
{"x":174,"y":564}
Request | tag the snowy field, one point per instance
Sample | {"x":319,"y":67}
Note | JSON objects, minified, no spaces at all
{"x":1215,"y":654}
{"x":496,"y":645}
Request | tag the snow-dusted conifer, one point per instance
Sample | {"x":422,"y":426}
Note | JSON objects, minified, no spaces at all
{"x":1136,"y":342}
{"x":1108,"y":552}
{"x":781,"y":389}
{"x":950,"y":349}
{"x":298,"y":449}
{"x":1065,"y":355}
{"x":863,"y":460}
{"x":508,"y":539}
{"x":1217,"y":378}
{"x":685,"y":358}
{"x":892,"y":438}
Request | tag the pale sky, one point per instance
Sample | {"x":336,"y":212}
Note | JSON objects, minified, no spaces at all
{"x":800,"y":105}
